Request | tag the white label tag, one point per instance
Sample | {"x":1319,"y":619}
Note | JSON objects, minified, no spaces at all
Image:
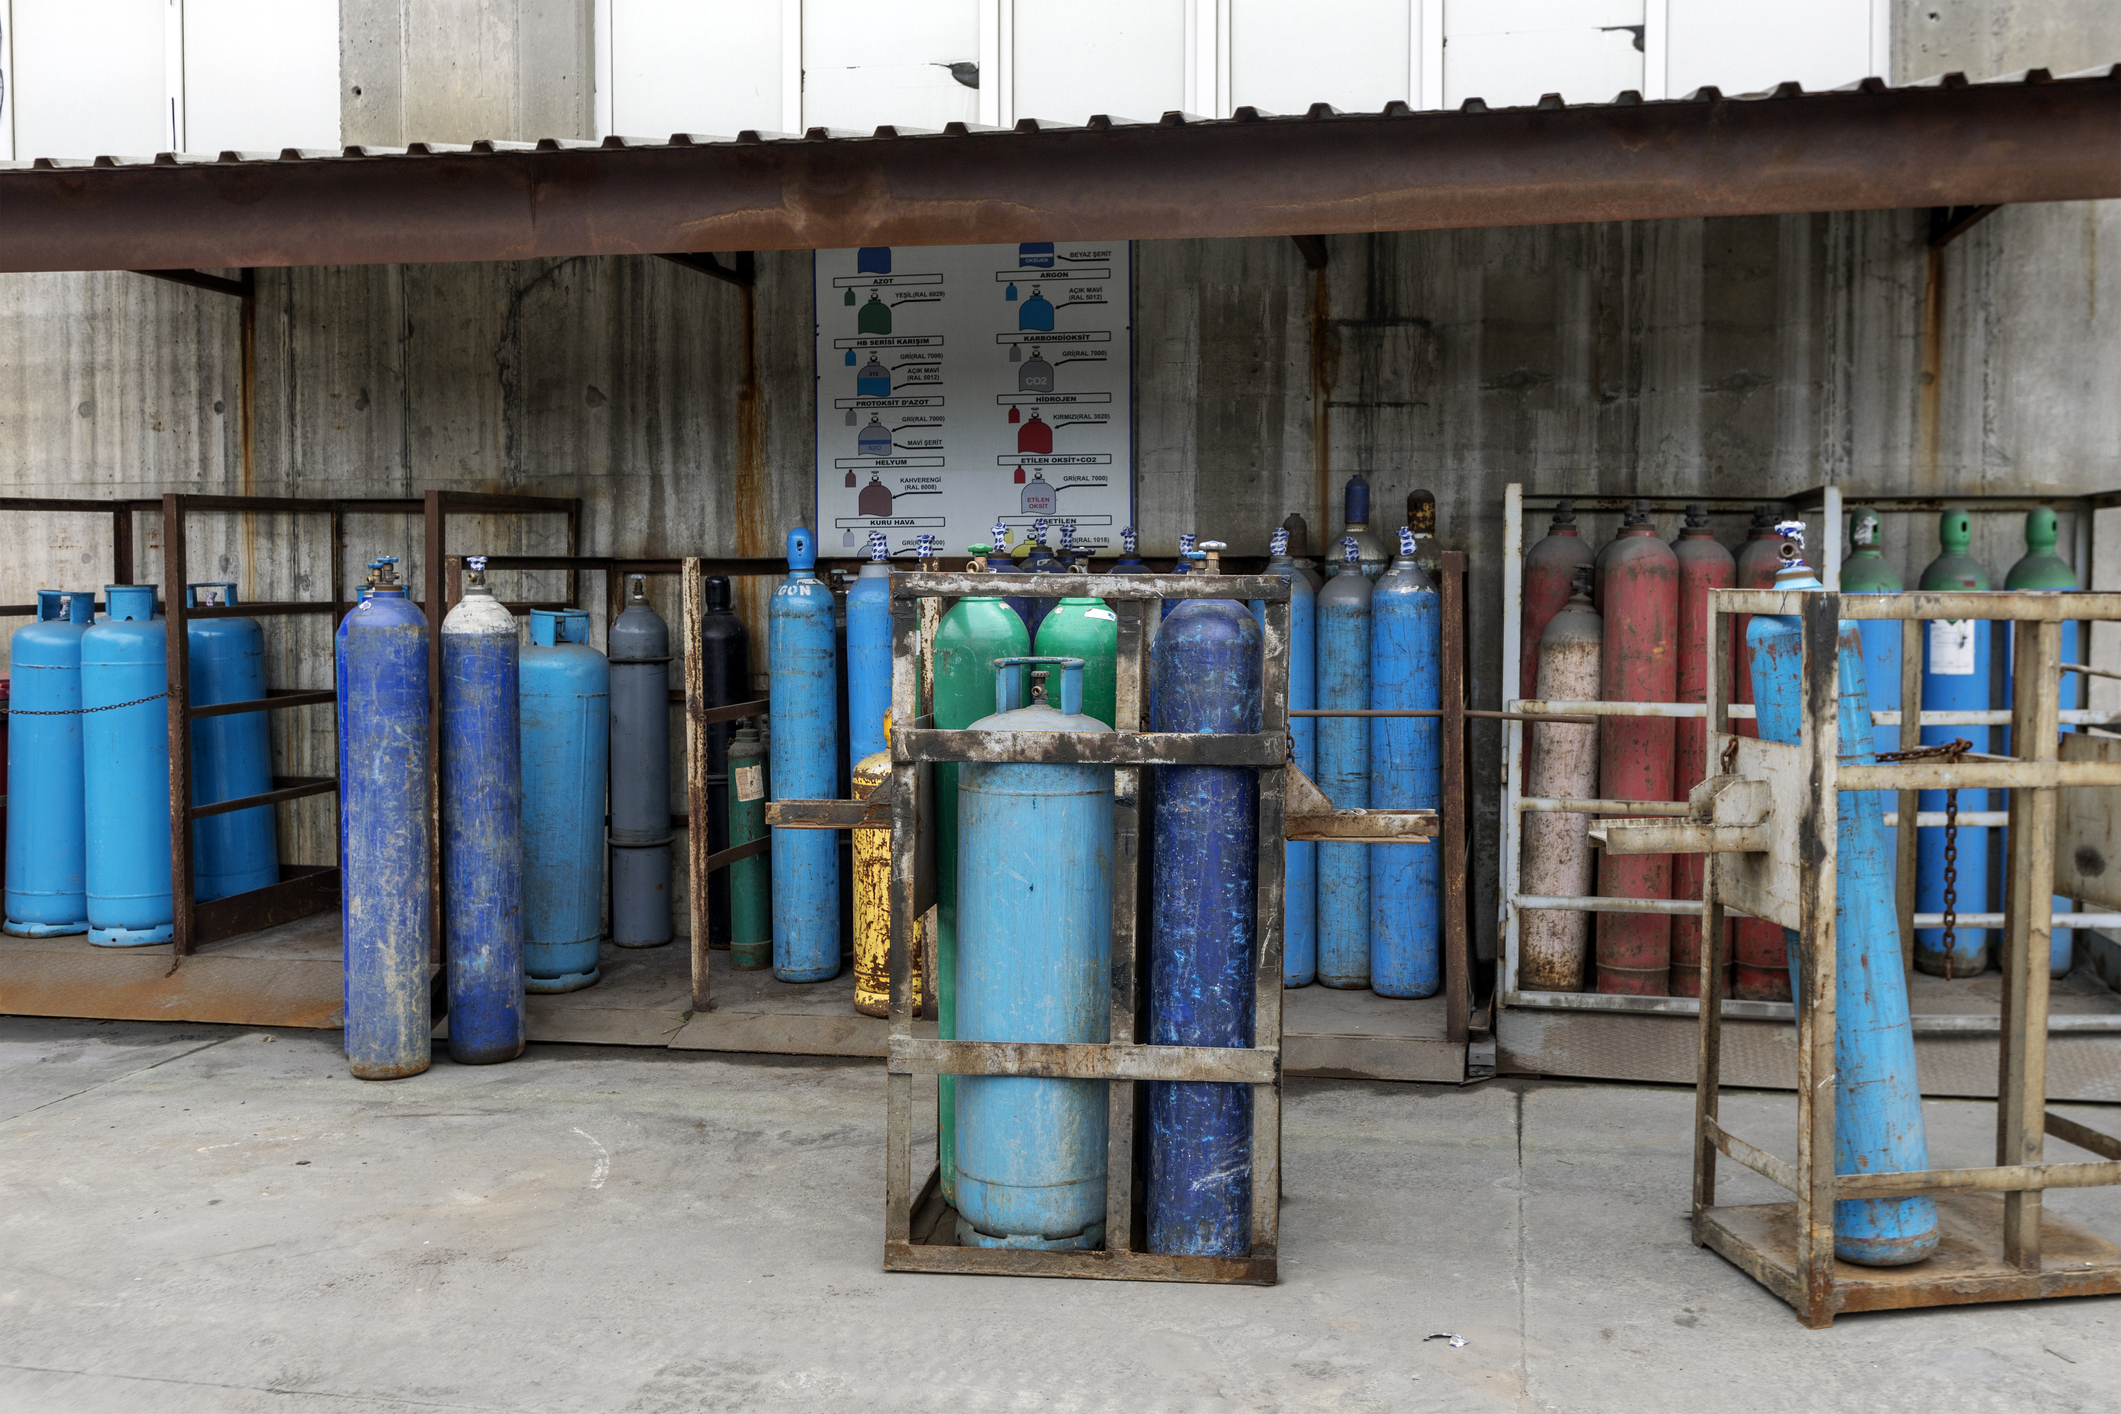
{"x":750,"y":783}
{"x":1952,"y":647}
{"x":1100,"y":614}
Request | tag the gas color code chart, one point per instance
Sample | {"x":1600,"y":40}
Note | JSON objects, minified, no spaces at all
{"x":958,"y":386}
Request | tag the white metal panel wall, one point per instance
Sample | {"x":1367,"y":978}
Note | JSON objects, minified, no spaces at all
{"x":260,"y":75}
{"x":1513,"y":51}
{"x":1074,"y":58}
{"x":870,"y":62}
{"x":1744,"y":46}
{"x":694,"y":66}
{"x":1353,"y":54}
{"x":90,"y":78}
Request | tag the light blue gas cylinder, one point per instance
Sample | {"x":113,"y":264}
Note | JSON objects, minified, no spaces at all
{"x":1877,"y":1102}
{"x":1299,"y":928}
{"x":231,"y":757}
{"x":125,"y":774}
{"x":383,"y":794}
{"x":1406,"y":883}
{"x":1867,"y":571}
{"x":1034,"y":962}
{"x":805,"y":765}
{"x":869,"y":652}
{"x":46,"y":832}
{"x":1344,"y":769}
{"x":482,"y":826}
{"x":566,"y":737}
{"x":1955,"y":678}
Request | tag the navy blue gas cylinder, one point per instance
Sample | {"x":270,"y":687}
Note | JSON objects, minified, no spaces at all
{"x":46,"y":831}
{"x":565,"y":688}
{"x":1183,"y":566}
{"x":1406,"y":773}
{"x":869,"y":651}
{"x":1130,"y":560}
{"x":1038,"y":559}
{"x":805,"y":765}
{"x":125,"y":775}
{"x":1877,"y":1103}
{"x":231,"y":757}
{"x":482,"y":826}
{"x":1299,"y":928}
{"x":383,"y":794}
{"x":1344,"y":769}
{"x":338,"y":682}
{"x":1035,"y":843}
{"x":1955,"y":678}
{"x":1203,"y":915}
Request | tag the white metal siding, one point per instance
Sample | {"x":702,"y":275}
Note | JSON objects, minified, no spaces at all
{"x":694,"y":66}
{"x":260,"y":75}
{"x":1353,"y":54}
{"x":868,"y":62}
{"x":1074,"y":58}
{"x":89,"y":78}
{"x":1744,"y":46}
{"x":1512,"y":51}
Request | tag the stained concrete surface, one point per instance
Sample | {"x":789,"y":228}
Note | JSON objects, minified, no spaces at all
{"x":208,"y":1218}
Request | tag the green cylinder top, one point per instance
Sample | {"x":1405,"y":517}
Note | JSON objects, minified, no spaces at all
{"x":1955,"y":568}
{"x":2041,"y":568}
{"x":1086,"y":628}
{"x":971,"y":636}
{"x":1955,"y":531}
{"x":1866,"y":570}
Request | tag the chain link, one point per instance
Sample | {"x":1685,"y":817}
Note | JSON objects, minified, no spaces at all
{"x":1950,"y":752}
{"x":83,"y":711}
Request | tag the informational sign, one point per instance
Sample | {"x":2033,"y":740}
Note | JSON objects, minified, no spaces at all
{"x":958,"y":386}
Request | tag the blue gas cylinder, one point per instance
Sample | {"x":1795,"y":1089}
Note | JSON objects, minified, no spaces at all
{"x":1406,"y":773}
{"x":998,"y":561}
{"x":1130,"y":560}
{"x":231,"y":757}
{"x":482,"y":826}
{"x":1203,"y":915}
{"x":1955,"y":669}
{"x":1183,"y":566}
{"x":1034,"y":962}
{"x":805,"y":765}
{"x":566,"y":727}
{"x":46,"y":832}
{"x":1877,"y":1103}
{"x":1299,"y":928}
{"x":869,"y":652}
{"x":1344,"y":769}
{"x":125,"y":776}
{"x":383,"y":795}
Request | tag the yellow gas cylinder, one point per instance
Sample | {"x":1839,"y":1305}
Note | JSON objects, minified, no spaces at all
{"x":872,"y":897}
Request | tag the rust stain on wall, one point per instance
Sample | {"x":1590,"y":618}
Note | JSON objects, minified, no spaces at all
{"x":1930,"y":383}
{"x":1325,"y":370}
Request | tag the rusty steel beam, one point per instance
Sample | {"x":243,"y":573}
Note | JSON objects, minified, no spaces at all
{"x":1946,"y":145}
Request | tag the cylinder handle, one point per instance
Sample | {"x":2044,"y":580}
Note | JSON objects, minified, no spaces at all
{"x":1008,"y":686}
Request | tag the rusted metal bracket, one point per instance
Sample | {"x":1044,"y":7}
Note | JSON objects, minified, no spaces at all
{"x":744,"y":276}
{"x":1312,"y":817}
{"x":870,"y":813}
{"x":1949,"y":223}
{"x":242,"y":288}
{"x":1725,"y":815}
{"x":1314,"y":251}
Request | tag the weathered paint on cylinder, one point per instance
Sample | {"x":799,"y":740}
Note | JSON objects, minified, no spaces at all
{"x":1878,"y":1124}
{"x":1203,"y":912}
{"x":1955,"y":678}
{"x":1344,"y":770}
{"x":872,"y":897}
{"x":2042,"y":568}
{"x":1034,"y":964}
{"x":1549,"y":578}
{"x":231,"y":757}
{"x":125,"y":771}
{"x":338,"y":681}
{"x":1299,"y":928}
{"x":975,"y":632}
{"x":639,"y":641}
{"x":750,"y":881}
{"x":566,"y":733}
{"x":482,"y":827}
{"x":1087,"y":629}
{"x":1760,"y":966}
{"x":869,"y":654}
{"x":1370,"y":548}
{"x":46,"y":831}
{"x":724,"y":647}
{"x":1703,"y":565}
{"x":1183,"y":565}
{"x":1867,"y":571}
{"x":389,"y":1021}
{"x":1562,"y":762}
{"x":1406,"y":773}
{"x":806,"y":752}
{"x":1635,"y":586}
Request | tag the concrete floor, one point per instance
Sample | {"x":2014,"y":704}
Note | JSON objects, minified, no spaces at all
{"x":205,"y":1218}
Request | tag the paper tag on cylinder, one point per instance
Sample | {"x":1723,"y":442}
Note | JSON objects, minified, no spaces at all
{"x":1952,"y":647}
{"x":749,"y":785}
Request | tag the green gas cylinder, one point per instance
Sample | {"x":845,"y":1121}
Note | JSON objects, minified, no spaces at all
{"x":2042,"y":568}
{"x":1089,"y":630}
{"x":750,"y":880}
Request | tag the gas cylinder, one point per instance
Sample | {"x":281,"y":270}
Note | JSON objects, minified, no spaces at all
{"x":1355,"y":504}
{"x":998,"y":560}
{"x":1867,"y":571}
{"x":977,"y":630}
{"x":2042,"y":568}
{"x":1549,"y":573}
{"x":869,"y":651}
{"x":1130,"y":560}
{"x":231,"y":757}
{"x":1562,"y":762}
{"x":389,"y":1021}
{"x":1760,"y":969}
{"x":1421,"y":519}
{"x":640,"y":774}
{"x":1183,"y":565}
{"x":1878,"y":1124}
{"x":565,"y":687}
{"x":724,"y":647}
{"x":482,"y":826}
{"x":1299,"y":532}
{"x":1034,"y":963}
{"x":46,"y":832}
{"x":1203,"y":911}
{"x":125,"y":776}
{"x":1344,"y":769}
{"x":872,"y":896}
{"x":1703,"y":565}
{"x":1955,"y":678}
{"x":1085,"y":628}
{"x":1406,"y":656}
{"x":806,"y":750}
{"x":750,"y":917}
{"x":338,"y":681}
{"x":1299,"y":928}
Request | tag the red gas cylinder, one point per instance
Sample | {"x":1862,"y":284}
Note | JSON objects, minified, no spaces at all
{"x":1760,"y":963}
{"x":1549,"y":569}
{"x":1703,"y":565}
{"x":1637,"y":581}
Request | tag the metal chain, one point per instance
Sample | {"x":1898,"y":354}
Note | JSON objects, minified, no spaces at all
{"x":83,"y":711}
{"x":1950,"y":751}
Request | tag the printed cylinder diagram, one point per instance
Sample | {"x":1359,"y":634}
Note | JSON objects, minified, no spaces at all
{"x":1035,"y":375}
{"x":875,"y":317}
{"x":875,"y":441}
{"x":876,"y":498}
{"x":874,"y":381}
{"x":1038,"y":497}
{"x":1035,"y":437}
{"x":1035,"y":313}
